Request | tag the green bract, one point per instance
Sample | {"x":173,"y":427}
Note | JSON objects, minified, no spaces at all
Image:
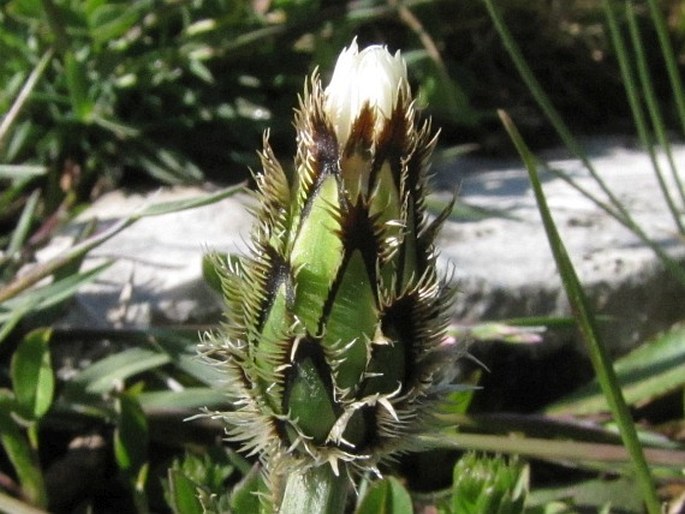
{"x":335,"y":348}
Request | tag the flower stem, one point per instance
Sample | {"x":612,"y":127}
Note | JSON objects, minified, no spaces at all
{"x":315,"y":490}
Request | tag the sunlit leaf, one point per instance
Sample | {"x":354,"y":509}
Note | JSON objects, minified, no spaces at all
{"x":387,"y":496}
{"x":654,"y":369}
{"x":182,"y":494}
{"x":103,"y":375}
{"x":244,"y":497}
{"x":130,"y":436}
{"x":33,"y":380}
{"x":591,"y":495}
{"x":51,"y":294}
{"x":15,"y":506}
{"x":190,"y":398}
{"x":77,"y":83}
{"x":20,"y":454}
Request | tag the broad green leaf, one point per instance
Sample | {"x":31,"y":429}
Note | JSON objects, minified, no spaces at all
{"x":244,"y":497}
{"x":102,"y":376}
{"x":190,"y":398}
{"x":33,"y":380}
{"x":20,"y":454}
{"x":182,"y":493}
{"x":387,"y":496}
{"x":655,"y":368}
{"x":591,"y":495}
{"x":130,"y":436}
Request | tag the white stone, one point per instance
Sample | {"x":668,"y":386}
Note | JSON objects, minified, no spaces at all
{"x":503,"y":265}
{"x":157,"y":274}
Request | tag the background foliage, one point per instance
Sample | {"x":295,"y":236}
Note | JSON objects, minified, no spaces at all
{"x":104,"y":94}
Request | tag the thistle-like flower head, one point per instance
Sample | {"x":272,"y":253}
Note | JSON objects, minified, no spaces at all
{"x":334,"y":345}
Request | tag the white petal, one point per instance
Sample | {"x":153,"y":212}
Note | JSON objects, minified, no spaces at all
{"x":372,"y":76}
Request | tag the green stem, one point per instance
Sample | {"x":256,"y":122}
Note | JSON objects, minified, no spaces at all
{"x":606,"y":375}
{"x":315,"y":490}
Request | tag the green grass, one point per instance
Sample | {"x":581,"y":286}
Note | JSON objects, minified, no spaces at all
{"x":101,"y":94}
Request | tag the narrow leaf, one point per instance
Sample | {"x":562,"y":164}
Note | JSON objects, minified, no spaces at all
{"x":51,"y":294}
{"x":587,"y":324}
{"x":182,"y":493}
{"x":33,"y":380}
{"x":23,"y":226}
{"x":37,"y":273}
{"x":654,"y":369}
{"x":77,"y":83}
{"x":20,"y":454}
{"x":103,"y":375}
{"x":191,"y":398}
{"x":131,"y":436}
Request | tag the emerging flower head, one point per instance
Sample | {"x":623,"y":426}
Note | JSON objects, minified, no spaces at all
{"x":334,"y":347}
{"x":373,"y":78}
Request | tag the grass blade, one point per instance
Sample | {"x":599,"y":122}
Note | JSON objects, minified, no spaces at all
{"x":614,"y":207}
{"x":19,"y":452}
{"x":652,"y":102}
{"x":102,"y":376}
{"x":596,"y":351}
{"x":22,"y":171}
{"x":46,"y":269}
{"x":633,"y":94}
{"x":581,"y":453}
{"x":23,"y":225}
{"x":10,"y":504}
{"x":49,"y":295}
{"x":23,"y":95}
{"x":654,"y":369}
{"x":669,"y":57}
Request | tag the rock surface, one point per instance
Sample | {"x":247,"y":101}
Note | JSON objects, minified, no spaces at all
{"x":501,"y":261}
{"x":504,"y":263}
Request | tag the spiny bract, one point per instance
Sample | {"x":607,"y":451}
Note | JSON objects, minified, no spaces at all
{"x":334,"y":350}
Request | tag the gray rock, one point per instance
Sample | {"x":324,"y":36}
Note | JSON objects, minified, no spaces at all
{"x":156,"y":277}
{"x":502,"y":262}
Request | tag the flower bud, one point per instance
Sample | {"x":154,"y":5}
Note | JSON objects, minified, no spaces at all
{"x":371,"y":78}
{"x":333,"y":349}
